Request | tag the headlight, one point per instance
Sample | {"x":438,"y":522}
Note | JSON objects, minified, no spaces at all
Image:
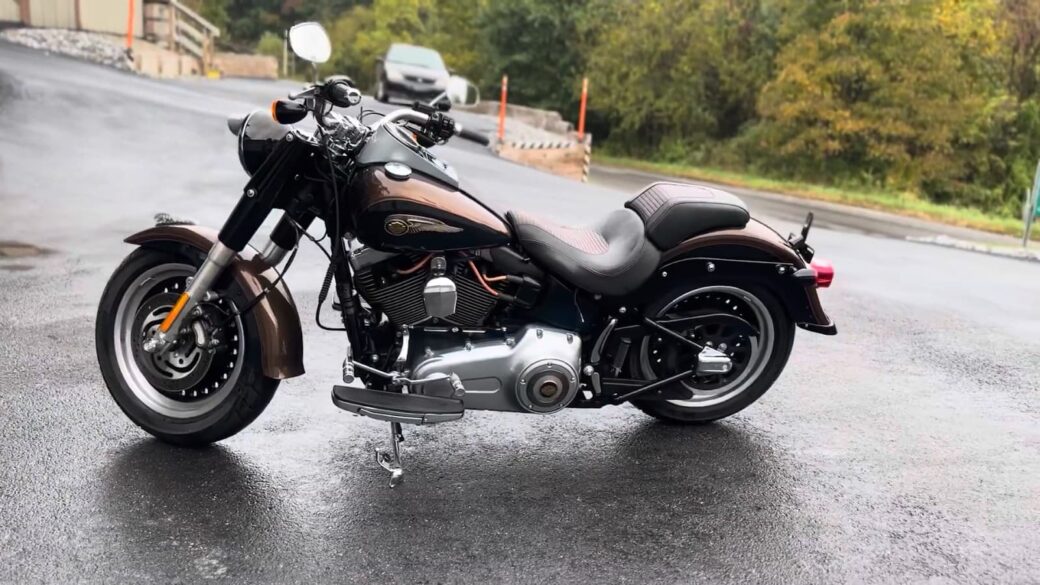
{"x":394,"y":75}
{"x":257,"y":138}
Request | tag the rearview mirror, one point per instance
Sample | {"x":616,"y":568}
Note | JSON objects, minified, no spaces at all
{"x":310,"y":42}
{"x":462,"y":92}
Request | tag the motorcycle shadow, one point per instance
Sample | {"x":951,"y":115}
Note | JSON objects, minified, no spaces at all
{"x":654,"y":487}
{"x":162,"y":498}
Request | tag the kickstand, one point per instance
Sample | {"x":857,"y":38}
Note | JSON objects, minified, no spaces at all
{"x":392,"y":461}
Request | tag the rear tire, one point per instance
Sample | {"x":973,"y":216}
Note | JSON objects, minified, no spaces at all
{"x":209,"y":405}
{"x":774,"y":352}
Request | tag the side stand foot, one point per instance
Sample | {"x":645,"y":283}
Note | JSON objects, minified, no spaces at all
{"x":392,"y":461}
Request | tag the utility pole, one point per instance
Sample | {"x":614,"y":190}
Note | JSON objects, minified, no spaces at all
{"x":285,"y":53}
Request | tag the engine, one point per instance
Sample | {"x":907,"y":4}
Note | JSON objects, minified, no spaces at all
{"x":415,"y":288}
{"x":534,"y":371}
{"x":447,"y":300}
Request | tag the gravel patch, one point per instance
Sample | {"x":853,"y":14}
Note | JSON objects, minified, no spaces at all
{"x":88,"y":46}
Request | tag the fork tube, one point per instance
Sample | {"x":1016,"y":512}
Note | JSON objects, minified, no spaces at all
{"x":216,"y":261}
{"x":283,"y":238}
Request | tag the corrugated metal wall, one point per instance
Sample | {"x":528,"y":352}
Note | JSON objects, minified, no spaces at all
{"x":110,"y":16}
{"x":9,"y":11}
{"x":53,"y":13}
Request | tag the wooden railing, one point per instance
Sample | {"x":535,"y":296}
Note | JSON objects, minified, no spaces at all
{"x":192,"y":33}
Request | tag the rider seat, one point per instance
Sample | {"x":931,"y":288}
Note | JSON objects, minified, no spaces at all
{"x":617,"y":254}
{"x":674,"y":212}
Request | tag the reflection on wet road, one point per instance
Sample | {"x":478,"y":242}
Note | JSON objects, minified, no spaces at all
{"x":905,"y":449}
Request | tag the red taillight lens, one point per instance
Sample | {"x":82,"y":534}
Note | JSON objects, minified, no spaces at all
{"x":824,"y":272}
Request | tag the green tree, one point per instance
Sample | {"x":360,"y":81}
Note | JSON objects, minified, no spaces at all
{"x":270,"y":44}
{"x":450,"y":26}
{"x":675,"y":76}
{"x":535,"y":42}
{"x":887,"y":92}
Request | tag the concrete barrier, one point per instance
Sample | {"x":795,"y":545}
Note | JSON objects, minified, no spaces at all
{"x":240,"y":65}
{"x":548,"y":120}
{"x":566,"y":157}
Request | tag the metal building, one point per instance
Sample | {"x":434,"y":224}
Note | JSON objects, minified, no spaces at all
{"x":108,"y":16}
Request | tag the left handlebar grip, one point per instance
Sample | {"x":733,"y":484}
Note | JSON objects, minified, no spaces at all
{"x":478,"y":137}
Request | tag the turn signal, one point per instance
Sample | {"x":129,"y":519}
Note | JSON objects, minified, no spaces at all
{"x":824,"y":272}
{"x":287,"y":112}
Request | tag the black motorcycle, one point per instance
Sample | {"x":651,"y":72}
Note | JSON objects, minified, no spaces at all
{"x":678,"y":302}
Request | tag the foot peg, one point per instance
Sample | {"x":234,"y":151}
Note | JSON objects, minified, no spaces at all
{"x":392,"y":461}
{"x":413,"y":409}
{"x":396,"y":408}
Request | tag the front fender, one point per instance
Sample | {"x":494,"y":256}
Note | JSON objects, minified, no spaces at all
{"x":281,"y":337}
{"x":755,"y":252}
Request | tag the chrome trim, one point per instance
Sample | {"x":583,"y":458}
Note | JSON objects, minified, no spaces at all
{"x":597,"y":349}
{"x":712,"y":361}
{"x":402,"y":356}
{"x":273,"y":254}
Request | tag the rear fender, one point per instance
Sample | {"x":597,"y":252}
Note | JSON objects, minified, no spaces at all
{"x":754,"y":254}
{"x":281,"y":337}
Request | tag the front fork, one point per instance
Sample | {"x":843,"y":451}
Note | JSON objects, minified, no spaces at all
{"x":277,"y":183}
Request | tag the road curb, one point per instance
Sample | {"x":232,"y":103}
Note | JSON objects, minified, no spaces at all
{"x":948,"y":242}
{"x":906,"y":221}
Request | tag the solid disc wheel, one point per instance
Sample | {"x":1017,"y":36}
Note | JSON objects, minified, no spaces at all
{"x":206,"y":386}
{"x":757,"y":357}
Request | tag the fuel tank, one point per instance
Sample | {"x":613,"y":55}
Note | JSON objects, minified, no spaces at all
{"x":417,"y":213}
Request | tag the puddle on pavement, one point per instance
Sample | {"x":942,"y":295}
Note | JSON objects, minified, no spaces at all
{"x":12,"y":250}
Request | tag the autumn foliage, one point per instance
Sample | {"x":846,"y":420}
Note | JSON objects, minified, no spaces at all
{"x":934,"y":97}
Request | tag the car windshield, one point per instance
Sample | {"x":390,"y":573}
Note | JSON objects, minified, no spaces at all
{"x":411,"y":55}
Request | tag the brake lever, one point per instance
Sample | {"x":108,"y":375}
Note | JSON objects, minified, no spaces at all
{"x":306,"y":93}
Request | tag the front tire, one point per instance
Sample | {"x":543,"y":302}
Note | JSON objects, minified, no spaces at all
{"x":758,"y":360}
{"x":187,"y":396}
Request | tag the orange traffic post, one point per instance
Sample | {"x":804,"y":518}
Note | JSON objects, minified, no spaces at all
{"x":581,"y":111}
{"x":502,"y":108}
{"x":130,"y":25}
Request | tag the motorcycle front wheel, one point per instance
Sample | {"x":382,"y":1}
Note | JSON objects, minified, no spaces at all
{"x":209,"y":384}
{"x":757,"y":359}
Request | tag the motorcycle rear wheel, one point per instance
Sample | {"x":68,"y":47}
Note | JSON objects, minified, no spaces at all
{"x":187,"y":396}
{"x":757,"y":360}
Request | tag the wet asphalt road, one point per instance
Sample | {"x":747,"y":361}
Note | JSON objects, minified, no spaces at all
{"x":906,"y":449}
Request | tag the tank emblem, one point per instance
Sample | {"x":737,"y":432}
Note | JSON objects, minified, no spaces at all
{"x":400,"y":225}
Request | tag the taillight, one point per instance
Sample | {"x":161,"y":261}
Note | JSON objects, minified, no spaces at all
{"x":824,"y":272}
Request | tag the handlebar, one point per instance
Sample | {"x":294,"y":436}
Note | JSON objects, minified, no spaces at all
{"x":340,"y":93}
{"x":408,"y":115}
{"x":477,"y":137}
